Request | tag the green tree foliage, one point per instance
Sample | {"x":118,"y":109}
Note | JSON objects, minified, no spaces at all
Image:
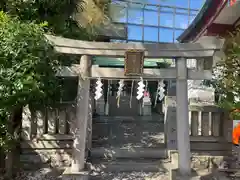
{"x":68,"y":18}
{"x":5,"y":137}
{"x":27,"y":66}
{"x":27,"y":62}
{"x":228,"y":76}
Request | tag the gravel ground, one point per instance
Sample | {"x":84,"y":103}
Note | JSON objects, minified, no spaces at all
{"x":51,"y":174}
{"x":42,"y":174}
{"x":132,"y":176}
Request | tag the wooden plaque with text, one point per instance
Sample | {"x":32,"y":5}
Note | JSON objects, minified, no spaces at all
{"x":134,"y":61}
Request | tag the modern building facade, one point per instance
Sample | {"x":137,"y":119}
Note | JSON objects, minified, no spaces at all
{"x":154,"y":21}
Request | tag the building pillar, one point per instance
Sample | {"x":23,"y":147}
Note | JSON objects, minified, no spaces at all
{"x":183,"y":138}
{"x":82,"y":108}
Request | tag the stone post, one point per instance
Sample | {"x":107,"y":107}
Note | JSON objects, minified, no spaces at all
{"x":82,"y":108}
{"x":183,"y":137}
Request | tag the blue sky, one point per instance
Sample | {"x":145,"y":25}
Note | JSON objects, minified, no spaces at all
{"x":167,"y":21}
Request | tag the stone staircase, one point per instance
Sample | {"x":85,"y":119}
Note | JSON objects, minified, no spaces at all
{"x":128,"y":148}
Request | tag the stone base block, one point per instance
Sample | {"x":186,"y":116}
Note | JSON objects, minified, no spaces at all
{"x":147,"y":110}
{"x":69,"y":175}
{"x":175,"y":175}
{"x":199,"y":175}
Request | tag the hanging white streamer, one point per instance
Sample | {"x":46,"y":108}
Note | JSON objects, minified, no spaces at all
{"x":120,"y":88}
{"x":155,"y":103}
{"x":108,"y":91}
{"x":107,"y":103}
{"x":130,"y":102}
{"x":160,"y":92}
{"x":98,"y":89}
{"x":145,"y":90}
{"x":140,"y":89}
{"x":146,"y":87}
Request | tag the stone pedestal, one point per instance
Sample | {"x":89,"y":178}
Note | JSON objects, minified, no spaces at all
{"x":106,"y":107}
{"x":69,"y":175}
{"x":147,"y":107}
{"x":175,"y":175}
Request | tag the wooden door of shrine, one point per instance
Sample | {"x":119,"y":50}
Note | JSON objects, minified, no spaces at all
{"x":128,"y":104}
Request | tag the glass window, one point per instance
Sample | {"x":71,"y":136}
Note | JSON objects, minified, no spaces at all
{"x":134,"y":42}
{"x":149,"y":7}
{"x":151,"y":1}
{"x":135,"y":32}
{"x":151,"y":17}
{"x":177,"y":33}
{"x":166,"y":10}
{"x":118,"y":40}
{"x":150,"y":34}
{"x":182,"y":3}
{"x":118,"y":13}
{"x":193,"y":12}
{"x":177,"y":3}
{"x":168,"y":2}
{"x":135,"y":15}
{"x":182,"y":11}
{"x":181,"y":21}
{"x":166,"y":35}
{"x":191,"y":18}
{"x":166,"y":19}
{"x":196,"y":4}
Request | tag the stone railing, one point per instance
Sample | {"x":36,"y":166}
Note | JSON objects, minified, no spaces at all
{"x":209,"y":127}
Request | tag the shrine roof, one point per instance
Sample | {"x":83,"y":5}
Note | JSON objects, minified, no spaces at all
{"x":216,"y":18}
{"x":119,"y":62}
{"x":208,"y":12}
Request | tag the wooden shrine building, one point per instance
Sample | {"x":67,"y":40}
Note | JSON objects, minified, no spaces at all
{"x":137,"y":63}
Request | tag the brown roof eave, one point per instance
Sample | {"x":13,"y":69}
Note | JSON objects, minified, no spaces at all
{"x":208,"y":11}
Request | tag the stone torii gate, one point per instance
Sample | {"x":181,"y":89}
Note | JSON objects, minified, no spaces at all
{"x":203,"y":51}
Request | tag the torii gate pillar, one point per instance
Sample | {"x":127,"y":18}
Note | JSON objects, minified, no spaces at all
{"x":183,"y":138}
{"x":82,"y":114}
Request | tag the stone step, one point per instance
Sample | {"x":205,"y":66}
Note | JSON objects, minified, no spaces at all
{"x":114,"y":119}
{"x":134,"y":134}
{"x":126,"y":143}
{"x":100,"y":166}
{"x":132,"y":153}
